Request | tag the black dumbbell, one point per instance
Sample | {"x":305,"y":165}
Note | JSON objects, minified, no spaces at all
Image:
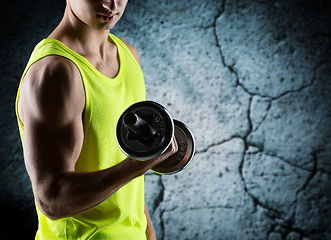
{"x":145,"y":130}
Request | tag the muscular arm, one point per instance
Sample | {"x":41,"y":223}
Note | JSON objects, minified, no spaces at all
{"x":50,"y":106}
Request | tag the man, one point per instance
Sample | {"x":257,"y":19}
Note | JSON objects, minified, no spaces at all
{"x":75,"y":86}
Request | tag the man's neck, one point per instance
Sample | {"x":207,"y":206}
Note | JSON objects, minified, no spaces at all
{"x":80,"y":37}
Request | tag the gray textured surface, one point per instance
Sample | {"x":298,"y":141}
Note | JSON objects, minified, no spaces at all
{"x":252,"y":81}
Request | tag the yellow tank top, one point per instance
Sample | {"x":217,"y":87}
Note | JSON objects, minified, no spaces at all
{"x":121,"y":216}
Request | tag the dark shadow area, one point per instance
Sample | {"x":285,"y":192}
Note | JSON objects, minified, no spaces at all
{"x":18,"y":222}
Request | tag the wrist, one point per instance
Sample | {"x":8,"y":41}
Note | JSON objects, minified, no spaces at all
{"x":140,"y":167}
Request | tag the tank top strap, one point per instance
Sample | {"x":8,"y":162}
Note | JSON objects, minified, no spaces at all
{"x":120,"y":43}
{"x":48,"y":47}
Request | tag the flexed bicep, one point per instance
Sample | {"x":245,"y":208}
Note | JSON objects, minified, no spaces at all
{"x":51,"y":104}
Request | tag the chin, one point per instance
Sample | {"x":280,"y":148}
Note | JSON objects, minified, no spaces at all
{"x":104,"y":26}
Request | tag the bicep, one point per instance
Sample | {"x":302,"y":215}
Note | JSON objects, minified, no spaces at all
{"x":51,"y":150}
{"x":52,"y":104}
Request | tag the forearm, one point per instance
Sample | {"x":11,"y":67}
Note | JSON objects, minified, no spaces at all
{"x":59,"y":190}
{"x":73,"y":193}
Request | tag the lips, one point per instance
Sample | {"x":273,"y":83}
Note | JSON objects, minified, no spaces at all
{"x":106,"y":17}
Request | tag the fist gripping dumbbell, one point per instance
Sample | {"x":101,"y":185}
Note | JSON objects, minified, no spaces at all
{"x":145,"y":130}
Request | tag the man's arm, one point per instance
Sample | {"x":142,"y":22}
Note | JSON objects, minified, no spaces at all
{"x":150,"y":232}
{"x":51,"y":106}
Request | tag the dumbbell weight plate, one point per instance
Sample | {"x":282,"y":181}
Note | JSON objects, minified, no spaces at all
{"x":186,"y":150}
{"x":159,"y":118}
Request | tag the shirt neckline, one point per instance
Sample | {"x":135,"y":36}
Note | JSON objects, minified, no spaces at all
{"x":114,"y":80}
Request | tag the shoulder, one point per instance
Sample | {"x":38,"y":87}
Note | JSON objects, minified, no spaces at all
{"x":52,"y":86}
{"x":132,"y":49}
{"x":53,"y":75}
{"x":52,"y":66}
{"x":51,"y":69}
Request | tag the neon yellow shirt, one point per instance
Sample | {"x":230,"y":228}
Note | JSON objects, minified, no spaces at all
{"x":121,"y":216}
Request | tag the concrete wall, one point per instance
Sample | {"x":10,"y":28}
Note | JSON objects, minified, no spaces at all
{"x":252,"y":81}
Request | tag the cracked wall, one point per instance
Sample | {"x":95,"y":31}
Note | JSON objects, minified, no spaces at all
{"x":252,"y":81}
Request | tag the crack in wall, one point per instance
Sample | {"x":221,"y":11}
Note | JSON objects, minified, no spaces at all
{"x":274,"y":214}
{"x":271,"y":229}
{"x":218,"y":45}
{"x":324,"y":171}
{"x":250,"y":128}
{"x":250,"y":125}
{"x":263,"y":151}
{"x":159,"y":199}
{"x":162,"y":224}
{"x":313,"y":173}
{"x":206,"y":149}
{"x":303,"y":87}
{"x":256,"y":201}
{"x":285,"y":227}
{"x":233,"y":71}
{"x":255,"y":128}
{"x":199,"y":208}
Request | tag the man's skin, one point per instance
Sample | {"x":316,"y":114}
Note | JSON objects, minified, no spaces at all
{"x":51,"y":105}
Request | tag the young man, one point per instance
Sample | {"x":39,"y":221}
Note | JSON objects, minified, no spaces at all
{"x":76,"y":84}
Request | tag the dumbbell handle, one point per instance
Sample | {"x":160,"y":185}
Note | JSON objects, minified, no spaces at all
{"x":138,"y":126}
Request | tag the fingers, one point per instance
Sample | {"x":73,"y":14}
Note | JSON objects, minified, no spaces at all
{"x":174,"y":145}
{"x":172,"y":149}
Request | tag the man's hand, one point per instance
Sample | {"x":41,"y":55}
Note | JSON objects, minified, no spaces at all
{"x":172,"y":149}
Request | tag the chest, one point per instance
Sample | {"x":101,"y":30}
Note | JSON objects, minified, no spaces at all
{"x":108,"y":65}
{"x":108,"y":68}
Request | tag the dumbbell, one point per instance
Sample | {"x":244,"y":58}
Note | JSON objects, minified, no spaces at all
{"x":145,"y":130}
